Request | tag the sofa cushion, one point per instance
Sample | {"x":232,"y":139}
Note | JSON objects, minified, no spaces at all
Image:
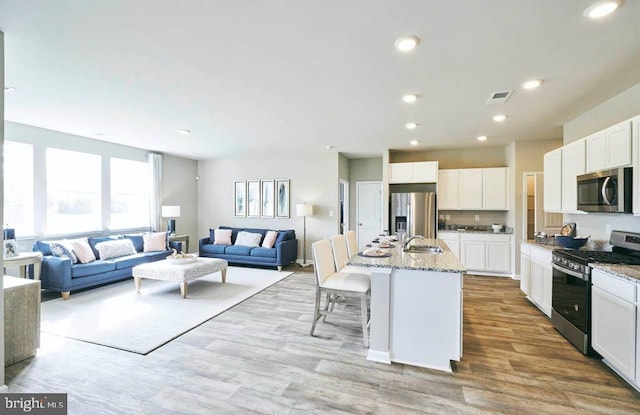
{"x":264,"y":252}
{"x":156,"y":241}
{"x":94,"y":240}
{"x":222,"y":237}
{"x":285,"y":235}
{"x":115,"y":249}
{"x":63,"y":250}
{"x":270,"y":239}
{"x":234,"y":233}
{"x":83,"y":250}
{"x":130,"y":261}
{"x":238,"y":250}
{"x":96,"y":267}
{"x":137,"y":240}
{"x":214,"y":249}
{"x":248,"y":239}
{"x":157,"y":255}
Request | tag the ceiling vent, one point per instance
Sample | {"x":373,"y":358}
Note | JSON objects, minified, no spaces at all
{"x":499,"y":97}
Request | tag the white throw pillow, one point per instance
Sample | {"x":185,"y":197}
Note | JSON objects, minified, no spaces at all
{"x":248,"y":239}
{"x":115,"y":248}
{"x":222,"y":237}
{"x":83,"y":250}
{"x":270,"y":239}
{"x":155,"y":241}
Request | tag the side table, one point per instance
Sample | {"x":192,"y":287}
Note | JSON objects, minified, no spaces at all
{"x":23,"y":260}
{"x":21,"y":318}
{"x":181,"y":238}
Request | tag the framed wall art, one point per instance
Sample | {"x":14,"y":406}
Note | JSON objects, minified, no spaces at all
{"x":240,"y":199}
{"x":253,"y":198}
{"x":282,"y":198}
{"x":267,"y":199}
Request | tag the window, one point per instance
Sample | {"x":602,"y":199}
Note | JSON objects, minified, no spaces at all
{"x":73,"y":191}
{"x":129,"y":194}
{"x":18,"y":187}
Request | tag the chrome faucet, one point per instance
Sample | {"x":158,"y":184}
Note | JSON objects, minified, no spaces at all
{"x":406,"y":244}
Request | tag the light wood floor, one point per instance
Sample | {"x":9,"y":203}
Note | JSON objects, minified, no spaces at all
{"x":259,"y":358}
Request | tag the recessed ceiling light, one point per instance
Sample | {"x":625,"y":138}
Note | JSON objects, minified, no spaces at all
{"x":602,"y":8}
{"x":330,"y":147}
{"x":532,"y":84}
{"x":409,"y":98}
{"x":482,"y":138}
{"x":414,"y":142}
{"x":184,"y":132}
{"x":411,"y":125}
{"x":407,"y":43}
{"x":499,"y":117}
{"x":9,"y":89}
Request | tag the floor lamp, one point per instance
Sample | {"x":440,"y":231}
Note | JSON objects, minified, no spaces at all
{"x":304,"y":210}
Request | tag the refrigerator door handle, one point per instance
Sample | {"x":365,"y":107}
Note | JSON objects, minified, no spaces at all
{"x":409,"y":220}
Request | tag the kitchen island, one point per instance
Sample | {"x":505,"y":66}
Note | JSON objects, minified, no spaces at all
{"x":416,"y":306}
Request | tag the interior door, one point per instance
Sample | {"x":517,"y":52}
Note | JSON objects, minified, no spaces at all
{"x":369,"y":211}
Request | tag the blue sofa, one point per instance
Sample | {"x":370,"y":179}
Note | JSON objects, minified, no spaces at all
{"x":284,"y":251}
{"x":59,"y":274}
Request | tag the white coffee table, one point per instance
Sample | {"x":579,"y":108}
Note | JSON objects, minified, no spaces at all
{"x":167,"y":271}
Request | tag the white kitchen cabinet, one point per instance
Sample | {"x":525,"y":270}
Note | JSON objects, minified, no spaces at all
{"x":609,"y":148}
{"x":553,"y":181}
{"x":486,"y":253}
{"x":470,"y":189}
{"x":573,"y":165}
{"x":635,"y":147}
{"x":525,"y":268}
{"x":541,"y":279}
{"x":418,"y":172}
{"x":448,"y":189}
{"x":494,"y":189}
{"x":452,"y":239}
{"x":613,"y":322}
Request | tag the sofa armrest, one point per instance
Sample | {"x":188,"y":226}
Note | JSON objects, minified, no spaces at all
{"x":203,"y":241}
{"x":55,"y":273}
{"x":287,"y":251}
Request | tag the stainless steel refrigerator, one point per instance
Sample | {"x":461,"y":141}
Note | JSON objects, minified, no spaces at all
{"x":413,"y":214}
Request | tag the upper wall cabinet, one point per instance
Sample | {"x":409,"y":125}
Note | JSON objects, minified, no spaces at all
{"x":609,"y":148}
{"x":553,"y":181}
{"x":419,"y":172}
{"x":573,"y":165}
{"x":473,"y":189}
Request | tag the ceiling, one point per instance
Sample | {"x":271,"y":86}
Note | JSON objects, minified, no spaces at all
{"x":295,"y":76}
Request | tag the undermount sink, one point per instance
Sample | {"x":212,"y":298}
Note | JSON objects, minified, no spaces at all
{"x":425,"y":249}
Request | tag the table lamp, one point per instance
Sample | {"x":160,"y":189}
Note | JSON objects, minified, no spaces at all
{"x":171,"y":212}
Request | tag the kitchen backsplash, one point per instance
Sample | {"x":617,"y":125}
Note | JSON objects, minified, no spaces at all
{"x":468,"y":217}
{"x":600,"y":225}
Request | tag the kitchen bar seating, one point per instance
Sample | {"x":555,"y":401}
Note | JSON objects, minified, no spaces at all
{"x":340,"y":256}
{"x":352,"y":242}
{"x":344,"y":284}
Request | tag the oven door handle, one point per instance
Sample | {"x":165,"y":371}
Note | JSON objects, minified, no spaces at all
{"x":570,"y":272}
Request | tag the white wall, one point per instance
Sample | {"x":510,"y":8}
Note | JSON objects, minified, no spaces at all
{"x":2,"y":383}
{"x":313,"y":180}
{"x":619,"y":108}
{"x":180,"y":187}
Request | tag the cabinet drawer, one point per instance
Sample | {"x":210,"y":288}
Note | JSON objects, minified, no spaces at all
{"x":619,"y":287}
{"x":485,"y":237}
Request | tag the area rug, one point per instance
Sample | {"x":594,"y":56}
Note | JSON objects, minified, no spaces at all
{"x":117,"y":316}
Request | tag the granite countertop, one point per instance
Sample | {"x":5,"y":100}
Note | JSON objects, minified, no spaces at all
{"x":628,"y":272}
{"x":508,"y":231}
{"x":532,"y":242}
{"x":444,"y":262}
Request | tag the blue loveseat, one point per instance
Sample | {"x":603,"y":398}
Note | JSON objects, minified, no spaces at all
{"x":61,"y":275}
{"x":284,"y":251}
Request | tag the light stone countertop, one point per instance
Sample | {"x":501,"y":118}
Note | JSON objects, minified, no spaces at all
{"x":542,"y":246}
{"x":444,"y":262}
{"x":628,"y":272}
{"x":490,"y":232}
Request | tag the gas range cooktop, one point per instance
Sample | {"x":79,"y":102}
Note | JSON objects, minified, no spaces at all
{"x":585,"y":257}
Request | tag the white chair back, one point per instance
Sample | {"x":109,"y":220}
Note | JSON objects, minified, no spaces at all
{"x":352,"y":242}
{"x":340,"y":255}
{"x":322,"y":260}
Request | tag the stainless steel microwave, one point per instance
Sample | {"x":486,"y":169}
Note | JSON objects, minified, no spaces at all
{"x":606,"y":191}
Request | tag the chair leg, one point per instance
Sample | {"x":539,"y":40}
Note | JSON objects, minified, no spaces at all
{"x":316,"y":311}
{"x":363,"y":312}
{"x":326,"y":307}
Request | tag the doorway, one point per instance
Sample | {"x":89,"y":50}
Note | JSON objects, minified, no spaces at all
{"x":368,"y":211}
{"x":535,"y":218}
{"x":344,"y":205}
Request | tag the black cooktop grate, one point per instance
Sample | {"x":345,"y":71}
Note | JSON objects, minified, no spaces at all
{"x":585,"y":257}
